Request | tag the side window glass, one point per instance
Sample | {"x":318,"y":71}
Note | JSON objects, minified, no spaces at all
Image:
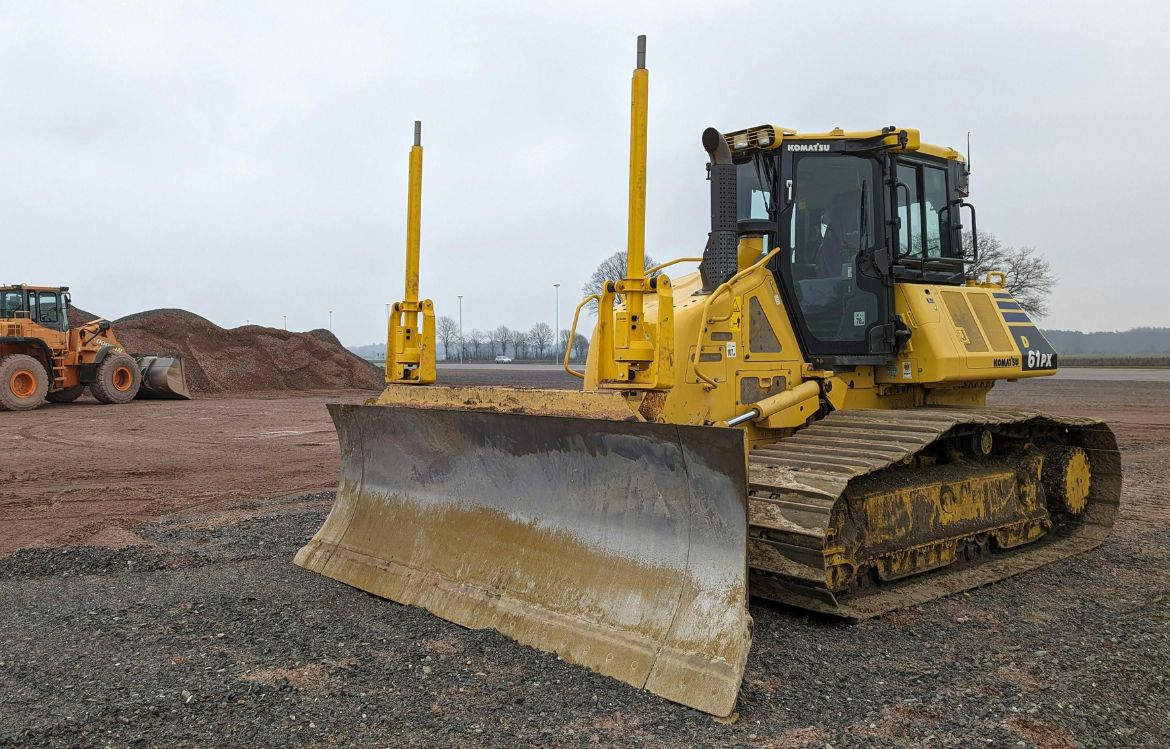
{"x":909,"y":212}
{"x":935,"y":189}
{"x":48,"y":314}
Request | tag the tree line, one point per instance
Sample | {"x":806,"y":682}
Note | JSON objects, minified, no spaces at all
{"x":536,"y":343}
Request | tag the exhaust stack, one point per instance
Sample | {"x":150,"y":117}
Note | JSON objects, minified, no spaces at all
{"x":720,"y":256}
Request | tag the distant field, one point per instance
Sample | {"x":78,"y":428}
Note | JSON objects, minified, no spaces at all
{"x":1114,"y":360}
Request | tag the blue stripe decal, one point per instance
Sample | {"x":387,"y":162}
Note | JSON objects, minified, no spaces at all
{"x":1002,"y":295}
{"x":1010,"y":305}
{"x":1016,"y":317}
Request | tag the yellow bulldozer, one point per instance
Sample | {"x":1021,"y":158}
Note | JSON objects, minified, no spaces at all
{"x":804,"y":419}
{"x":43,"y":358}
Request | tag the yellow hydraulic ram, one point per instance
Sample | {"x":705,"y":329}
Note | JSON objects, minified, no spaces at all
{"x":410,"y":347}
{"x":636,"y":354}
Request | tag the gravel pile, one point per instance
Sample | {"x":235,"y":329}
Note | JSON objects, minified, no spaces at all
{"x":250,"y":358}
{"x":211,"y":637}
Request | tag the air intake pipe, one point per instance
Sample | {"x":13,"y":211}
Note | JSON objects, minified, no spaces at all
{"x":719,"y":257}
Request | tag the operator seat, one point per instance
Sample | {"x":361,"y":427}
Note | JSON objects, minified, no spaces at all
{"x":841,"y":241}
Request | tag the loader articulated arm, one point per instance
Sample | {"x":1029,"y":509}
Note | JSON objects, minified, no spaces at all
{"x":410,"y":348}
{"x":636,"y":353}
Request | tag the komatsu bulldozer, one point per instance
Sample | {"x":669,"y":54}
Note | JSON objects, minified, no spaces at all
{"x":43,"y":358}
{"x":804,"y":419}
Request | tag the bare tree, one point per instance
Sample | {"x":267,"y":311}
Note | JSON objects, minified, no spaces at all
{"x":475,"y":340}
{"x":447,"y":331}
{"x":500,"y":337}
{"x":613,"y":268}
{"x":580,"y":346}
{"x":516,"y":338}
{"x":520,"y":344}
{"x":1028,"y":274}
{"x":541,"y":336}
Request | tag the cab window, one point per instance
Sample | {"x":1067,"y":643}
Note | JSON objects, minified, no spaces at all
{"x":10,"y":303}
{"x":923,"y":221}
{"x":48,"y":309}
{"x":832,"y":223}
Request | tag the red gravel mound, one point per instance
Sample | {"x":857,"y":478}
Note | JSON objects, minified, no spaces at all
{"x":247,"y":359}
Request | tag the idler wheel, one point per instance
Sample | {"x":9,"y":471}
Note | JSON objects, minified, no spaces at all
{"x":1067,"y":479}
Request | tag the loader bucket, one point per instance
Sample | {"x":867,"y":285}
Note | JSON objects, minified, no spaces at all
{"x":162,"y":378}
{"x":618,"y":545}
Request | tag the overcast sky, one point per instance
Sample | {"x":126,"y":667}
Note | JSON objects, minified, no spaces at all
{"x":248,"y":160}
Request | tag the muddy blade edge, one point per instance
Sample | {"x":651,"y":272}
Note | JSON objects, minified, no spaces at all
{"x":620,"y":546}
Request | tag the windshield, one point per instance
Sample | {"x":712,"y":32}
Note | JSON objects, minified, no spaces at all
{"x":10,"y":302}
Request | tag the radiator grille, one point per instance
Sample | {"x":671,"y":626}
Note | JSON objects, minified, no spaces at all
{"x":992,"y":323}
{"x":960,"y":312}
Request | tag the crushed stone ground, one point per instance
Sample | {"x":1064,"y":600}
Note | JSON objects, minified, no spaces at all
{"x":204,"y":634}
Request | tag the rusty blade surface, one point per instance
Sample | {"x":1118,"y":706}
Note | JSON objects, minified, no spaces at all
{"x":621,"y":546}
{"x":162,"y":378}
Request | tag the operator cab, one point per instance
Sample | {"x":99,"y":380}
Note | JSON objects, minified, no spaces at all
{"x":48,"y":307}
{"x":854,"y":212}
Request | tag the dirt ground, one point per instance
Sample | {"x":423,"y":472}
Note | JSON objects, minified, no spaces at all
{"x":85,"y":473}
{"x":153,"y":602}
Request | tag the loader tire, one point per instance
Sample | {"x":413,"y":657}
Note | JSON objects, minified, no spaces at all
{"x":118,"y":379}
{"x":23,"y":383}
{"x":65,"y":395}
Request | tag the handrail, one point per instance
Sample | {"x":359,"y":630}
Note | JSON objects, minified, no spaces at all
{"x":669,"y":263}
{"x":703,"y":320}
{"x":573,"y":332}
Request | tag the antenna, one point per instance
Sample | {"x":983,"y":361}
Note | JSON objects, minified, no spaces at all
{"x":968,"y":152}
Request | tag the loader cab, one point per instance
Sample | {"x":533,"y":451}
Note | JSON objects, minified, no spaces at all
{"x":853,"y":216}
{"x":47,"y":307}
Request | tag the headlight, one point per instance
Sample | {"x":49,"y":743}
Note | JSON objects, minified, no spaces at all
{"x":740,"y":141}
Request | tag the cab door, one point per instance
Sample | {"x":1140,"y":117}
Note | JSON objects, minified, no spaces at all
{"x":841,"y":301}
{"x":47,"y":310}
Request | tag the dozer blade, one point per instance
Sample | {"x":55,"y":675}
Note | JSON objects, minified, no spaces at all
{"x":162,"y":378}
{"x":618,"y":545}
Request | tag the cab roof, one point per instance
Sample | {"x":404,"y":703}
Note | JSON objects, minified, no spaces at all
{"x":906,"y":140}
{"x":26,"y":287}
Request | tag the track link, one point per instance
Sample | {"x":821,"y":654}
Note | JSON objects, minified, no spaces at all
{"x":803,"y":491}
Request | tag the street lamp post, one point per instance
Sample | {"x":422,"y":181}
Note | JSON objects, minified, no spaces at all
{"x":330,"y":321}
{"x":557,"y":329}
{"x":460,"y":328}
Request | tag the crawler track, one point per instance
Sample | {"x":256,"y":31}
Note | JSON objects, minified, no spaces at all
{"x":803,"y":488}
